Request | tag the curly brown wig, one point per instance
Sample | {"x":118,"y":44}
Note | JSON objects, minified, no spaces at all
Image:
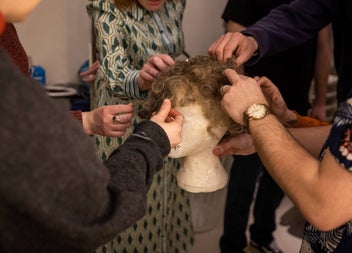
{"x":196,"y":80}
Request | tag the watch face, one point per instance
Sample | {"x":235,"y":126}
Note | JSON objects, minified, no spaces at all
{"x":257,"y":111}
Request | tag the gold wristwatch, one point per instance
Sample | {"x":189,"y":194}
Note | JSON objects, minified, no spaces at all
{"x":256,"y":112}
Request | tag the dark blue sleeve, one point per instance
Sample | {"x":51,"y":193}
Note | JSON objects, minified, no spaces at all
{"x":290,"y":25}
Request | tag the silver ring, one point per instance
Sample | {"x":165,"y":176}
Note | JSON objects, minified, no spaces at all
{"x":116,"y":119}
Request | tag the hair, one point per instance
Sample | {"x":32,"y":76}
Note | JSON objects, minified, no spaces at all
{"x":195,"y":81}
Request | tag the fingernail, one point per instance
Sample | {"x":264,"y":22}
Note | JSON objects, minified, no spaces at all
{"x":217,"y":151}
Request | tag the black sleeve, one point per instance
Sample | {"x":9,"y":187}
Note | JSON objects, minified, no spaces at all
{"x":240,"y":11}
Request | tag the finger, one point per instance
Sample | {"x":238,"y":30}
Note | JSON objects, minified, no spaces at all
{"x":256,"y":78}
{"x":116,"y":133}
{"x":217,"y":49}
{"x":89,"y":79}
{"x":123,"y":109}
{"x":176,"y":116}
{"x":230,"y":46}
{"x":241,"y":58}
{"x":159,"y":65}
{"x":231,"y":75}
{"x":164,"y":110}
{"x":149,"y":74}
{"x":167,"y":59}
{"x":224,"y":89}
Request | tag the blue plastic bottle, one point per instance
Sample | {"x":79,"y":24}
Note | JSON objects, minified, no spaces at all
{"x":38,"y":73}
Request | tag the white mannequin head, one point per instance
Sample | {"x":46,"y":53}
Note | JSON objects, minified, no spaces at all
{"x":193,"y":87}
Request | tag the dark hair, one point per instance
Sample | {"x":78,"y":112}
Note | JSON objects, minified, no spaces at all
{"x":196,"y":80}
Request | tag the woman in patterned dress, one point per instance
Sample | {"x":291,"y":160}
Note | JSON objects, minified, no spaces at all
{"x":136,"y":40}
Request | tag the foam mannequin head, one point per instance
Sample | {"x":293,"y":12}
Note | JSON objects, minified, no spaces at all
{"x":193,"y":86}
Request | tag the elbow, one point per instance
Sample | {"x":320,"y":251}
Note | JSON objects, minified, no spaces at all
{"x":324,"y":220}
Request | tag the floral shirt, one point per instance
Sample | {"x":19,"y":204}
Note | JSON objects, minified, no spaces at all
{"x":339,"y":143}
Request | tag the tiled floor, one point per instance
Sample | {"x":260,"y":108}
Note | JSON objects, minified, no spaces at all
{"x":208,"y":214}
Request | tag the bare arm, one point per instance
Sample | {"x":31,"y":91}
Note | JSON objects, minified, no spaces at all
{"x":232,"y":27}
{"x":318,"y":188}
{"x":321,"y":72}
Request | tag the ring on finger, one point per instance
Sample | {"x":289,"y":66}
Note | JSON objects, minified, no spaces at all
{"x":116,"y":119}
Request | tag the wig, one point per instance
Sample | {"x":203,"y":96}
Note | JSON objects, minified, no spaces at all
{"x":194,"y":81}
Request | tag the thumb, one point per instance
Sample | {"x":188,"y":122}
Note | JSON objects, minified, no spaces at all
{"x":164,"y":110}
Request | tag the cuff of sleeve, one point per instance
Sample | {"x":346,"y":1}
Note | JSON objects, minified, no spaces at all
{"x":153,"y":131}
{"x":77,"y":115}
{"x":131,"y":86}
{"x":306,"y":121}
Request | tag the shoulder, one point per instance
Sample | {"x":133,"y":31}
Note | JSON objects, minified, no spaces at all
{"x":178,"y":5}
{"x":96,"y":7}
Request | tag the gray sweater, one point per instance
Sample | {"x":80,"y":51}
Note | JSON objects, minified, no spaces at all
{"x":55,"y":194}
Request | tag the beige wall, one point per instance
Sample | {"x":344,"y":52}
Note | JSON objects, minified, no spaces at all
{"x":56,"y":34}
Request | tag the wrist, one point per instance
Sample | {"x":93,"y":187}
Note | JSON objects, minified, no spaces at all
{"x":255,"y":112}
{"x":85,"y":123}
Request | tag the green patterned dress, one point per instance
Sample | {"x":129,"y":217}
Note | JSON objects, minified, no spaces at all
{"x":125,"y":40}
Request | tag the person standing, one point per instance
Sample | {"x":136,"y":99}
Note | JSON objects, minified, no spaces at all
{"x":49,"y":170}
{"x":299,"y":21}
{"x":293,"y":77}
{"x":135,"y":40}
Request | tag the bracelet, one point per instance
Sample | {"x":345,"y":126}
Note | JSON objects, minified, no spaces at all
{"x":77,"y":115}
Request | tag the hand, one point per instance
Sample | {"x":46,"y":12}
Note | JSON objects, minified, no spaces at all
{"x":276,"y":101}
{"x":243,"y":47}
{"x":241,"y":144}
{"x":100,"y":121}
{"x":171,"y":121}
{"x":318,"y":112}
{"x":90,"y":75}
{"x":152,"y":69}
{"x":237,"y":97}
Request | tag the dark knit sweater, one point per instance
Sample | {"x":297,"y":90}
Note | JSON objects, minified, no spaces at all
{"x":56,"y":195}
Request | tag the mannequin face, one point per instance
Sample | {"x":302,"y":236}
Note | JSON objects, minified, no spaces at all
{"x":195,"y":135}
{"x":17,"y":10}
{"x":152,"y":5}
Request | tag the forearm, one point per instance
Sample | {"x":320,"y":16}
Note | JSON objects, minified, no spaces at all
{"x":291,"y":166}
{"x":313,"y":142}
{"x":143,"y":152}
{"x":322,"y":65}
{"x":232,"y":26}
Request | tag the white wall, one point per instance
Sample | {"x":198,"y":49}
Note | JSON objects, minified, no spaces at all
{"x":202,"y":24}
{"x":57,"y":33}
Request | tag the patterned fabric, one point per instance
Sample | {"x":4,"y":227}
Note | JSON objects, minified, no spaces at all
{"x":339,"y":143}
{"x":125,"y":40}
